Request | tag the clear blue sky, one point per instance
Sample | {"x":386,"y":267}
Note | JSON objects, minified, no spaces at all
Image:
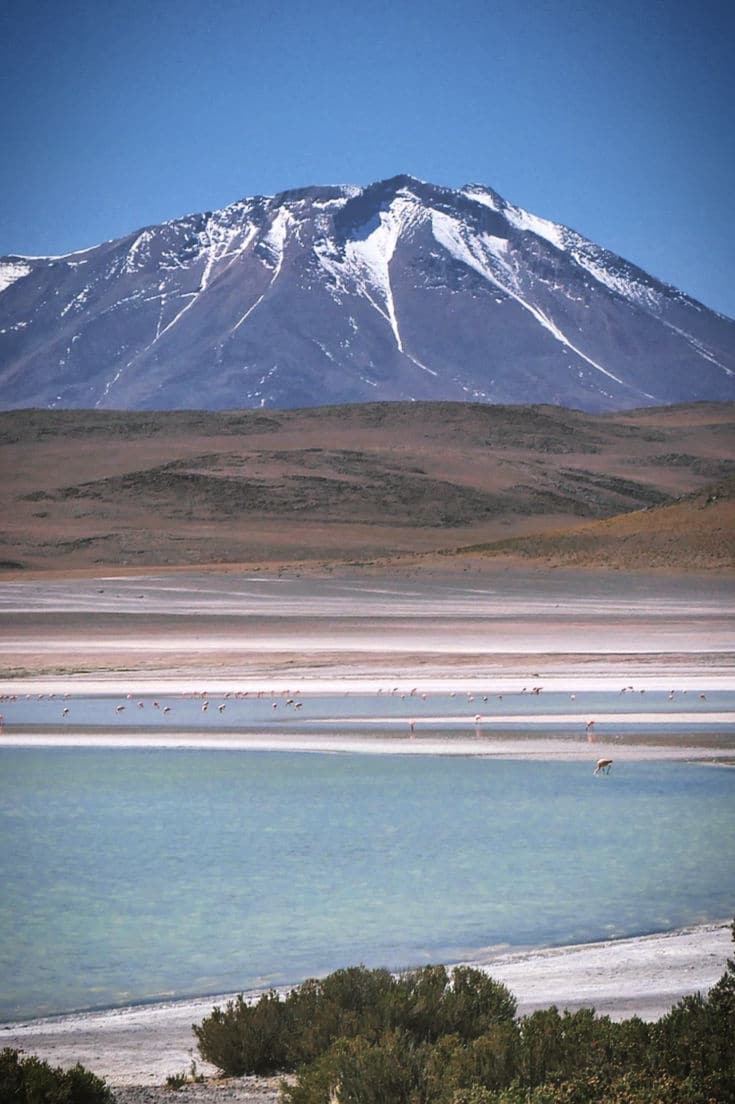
{"x":612,"y":116}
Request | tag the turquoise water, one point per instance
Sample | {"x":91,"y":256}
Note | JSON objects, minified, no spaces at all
{"x":134,"y":875}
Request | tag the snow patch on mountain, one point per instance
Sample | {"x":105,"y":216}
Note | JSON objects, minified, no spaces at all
{"x":274,"y":241}
{"x":275,"y":245}
{"x":483,"y":195}
{"x":541,"y":227}
{"x":139,"y":252}
{"x":481,"y":253}
{"x":12,"y":270}
{"x":601,"y":268}
{"x":364,"y":265}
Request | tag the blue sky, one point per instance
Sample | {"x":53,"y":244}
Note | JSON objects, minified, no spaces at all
{"x":613,"y":117}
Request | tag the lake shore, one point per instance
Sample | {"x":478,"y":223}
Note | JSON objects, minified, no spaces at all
{"x":716,"y":749}
{"x":643,"y":976}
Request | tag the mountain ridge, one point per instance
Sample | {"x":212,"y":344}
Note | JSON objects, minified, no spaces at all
{"x":401,"y":290}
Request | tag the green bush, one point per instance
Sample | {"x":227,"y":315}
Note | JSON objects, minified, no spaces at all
{"x":465,"y":1002}
{"x":32,"y":1081}
{"x":282,"y":1033}
{"x":360,"y":1071}
{"x":247,"y":1038}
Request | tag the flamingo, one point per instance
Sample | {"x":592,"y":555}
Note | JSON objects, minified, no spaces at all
{"x":603,"y":766}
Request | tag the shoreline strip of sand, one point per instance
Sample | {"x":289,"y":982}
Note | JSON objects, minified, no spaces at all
{"x":502,"y":747}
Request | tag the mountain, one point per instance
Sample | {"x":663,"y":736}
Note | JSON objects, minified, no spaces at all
{"x":398,"y":291}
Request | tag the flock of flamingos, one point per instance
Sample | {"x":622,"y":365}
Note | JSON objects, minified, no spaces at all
{"x":602,"y":765}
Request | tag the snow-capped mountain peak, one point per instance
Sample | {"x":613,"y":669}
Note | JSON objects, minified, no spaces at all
{"x":398,"y":290}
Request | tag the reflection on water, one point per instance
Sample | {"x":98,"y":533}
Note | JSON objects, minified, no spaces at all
{"x":134,"y":874}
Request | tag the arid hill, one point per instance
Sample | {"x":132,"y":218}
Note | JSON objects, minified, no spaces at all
{"x":97,"y":489}
{"x":694,"y":533}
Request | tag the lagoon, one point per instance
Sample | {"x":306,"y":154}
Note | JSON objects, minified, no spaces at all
{"x":134,"y":875}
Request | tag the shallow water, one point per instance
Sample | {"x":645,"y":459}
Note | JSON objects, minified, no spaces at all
{"x":133,"y":875}
{"x":292,"y":710}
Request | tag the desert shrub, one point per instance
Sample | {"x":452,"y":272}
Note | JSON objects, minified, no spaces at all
{"x":631,"y":1088}
{"x":454,"y":1065}
{"x":32,"y":1081}
{"x":345,"y":1004}
{"x":246,"y":1038}
{"x":476,"y":1095}
{"x":359,"y":1071}
{"x":283,"y":1033}
{"x":555,"y":1045}
{"x":176,"y":1081}
{"x":192,"y":1076}
{"x":465,"y":1002}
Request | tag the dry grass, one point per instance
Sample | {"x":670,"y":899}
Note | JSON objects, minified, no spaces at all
{"x":695,"y":533}
{"x":90,"y":490}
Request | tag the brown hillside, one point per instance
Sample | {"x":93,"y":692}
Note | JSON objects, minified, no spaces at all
{"x":695,"y":533}
{"x":92,"y":489}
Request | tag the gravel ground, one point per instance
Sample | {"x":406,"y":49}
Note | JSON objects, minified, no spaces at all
{"x":252,"y":1090}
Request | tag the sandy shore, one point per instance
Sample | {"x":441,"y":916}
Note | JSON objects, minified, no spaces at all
{"x":634,"y":749}
{"x":621,"y":978}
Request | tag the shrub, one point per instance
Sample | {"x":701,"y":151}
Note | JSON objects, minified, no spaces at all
{"x":492,"y":1061}
{"x":280,"y":1034}
{"x":192,"y":1076}
{"x":32,"y":1081}
{"x":246,"y":1038}
{"x":465,"y":1002}
{"x":476,"y":1095}
{"x":359,"y":1071}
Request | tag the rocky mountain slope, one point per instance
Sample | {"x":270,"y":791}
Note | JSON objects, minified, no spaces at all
{"x":398,"y":291}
